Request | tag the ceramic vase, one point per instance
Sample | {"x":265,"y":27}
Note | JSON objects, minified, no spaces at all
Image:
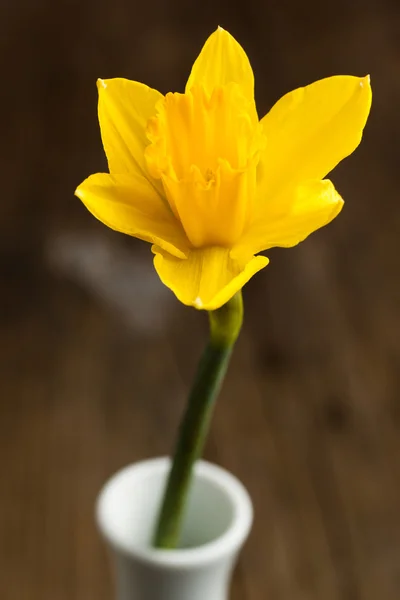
{"x":218,"y":519}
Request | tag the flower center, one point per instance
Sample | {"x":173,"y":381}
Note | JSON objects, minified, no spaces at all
{"x":205,"y":151}
{"x":210,"y":176}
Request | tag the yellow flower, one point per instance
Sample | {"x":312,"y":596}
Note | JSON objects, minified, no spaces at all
{"x":208,"y":184}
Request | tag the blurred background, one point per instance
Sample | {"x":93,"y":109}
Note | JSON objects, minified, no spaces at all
{"x":96,"y":356}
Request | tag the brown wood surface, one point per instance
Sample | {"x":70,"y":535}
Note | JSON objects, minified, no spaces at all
{"x":96,"y":356}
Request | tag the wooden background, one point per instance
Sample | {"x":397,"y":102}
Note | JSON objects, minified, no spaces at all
{"x":96,"y":356}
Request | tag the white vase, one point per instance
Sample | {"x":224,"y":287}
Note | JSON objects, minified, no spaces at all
{"x":218,"y":520}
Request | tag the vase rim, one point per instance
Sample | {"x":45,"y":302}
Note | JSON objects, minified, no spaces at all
{"x":198,"y":556}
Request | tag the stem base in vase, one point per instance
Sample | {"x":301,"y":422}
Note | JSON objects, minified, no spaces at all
{"x":217,"y":521}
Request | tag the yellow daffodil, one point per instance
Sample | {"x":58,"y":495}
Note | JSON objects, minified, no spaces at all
{"x":209,"y":184}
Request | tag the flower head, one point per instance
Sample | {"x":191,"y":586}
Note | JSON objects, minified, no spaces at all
{"x":209,"y":184}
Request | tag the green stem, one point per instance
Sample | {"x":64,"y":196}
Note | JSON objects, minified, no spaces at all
{"x":225,"y":324}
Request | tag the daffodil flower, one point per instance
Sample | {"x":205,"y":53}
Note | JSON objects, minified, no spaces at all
{"x":209,"y":184}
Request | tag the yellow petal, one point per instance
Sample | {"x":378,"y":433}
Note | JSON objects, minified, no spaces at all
{"x":291,"y":218}
{"x":129,"y":204}
{"x":310,"y":130}
{"x":208,"y":278}
{"x":222,"y":60}
{"x":124,"y":110}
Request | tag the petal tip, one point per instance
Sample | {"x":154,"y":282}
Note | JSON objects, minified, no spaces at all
{"x":198,"y":303}
{"x":79,"y":193}
{"x":365,"y":81}
{"x":221,"y":61}
{"x":101,"y":84}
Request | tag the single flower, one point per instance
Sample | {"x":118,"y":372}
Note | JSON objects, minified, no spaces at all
{"x":209,"y":184}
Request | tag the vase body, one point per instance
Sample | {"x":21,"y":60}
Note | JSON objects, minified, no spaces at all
{"x":218,"y":519}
